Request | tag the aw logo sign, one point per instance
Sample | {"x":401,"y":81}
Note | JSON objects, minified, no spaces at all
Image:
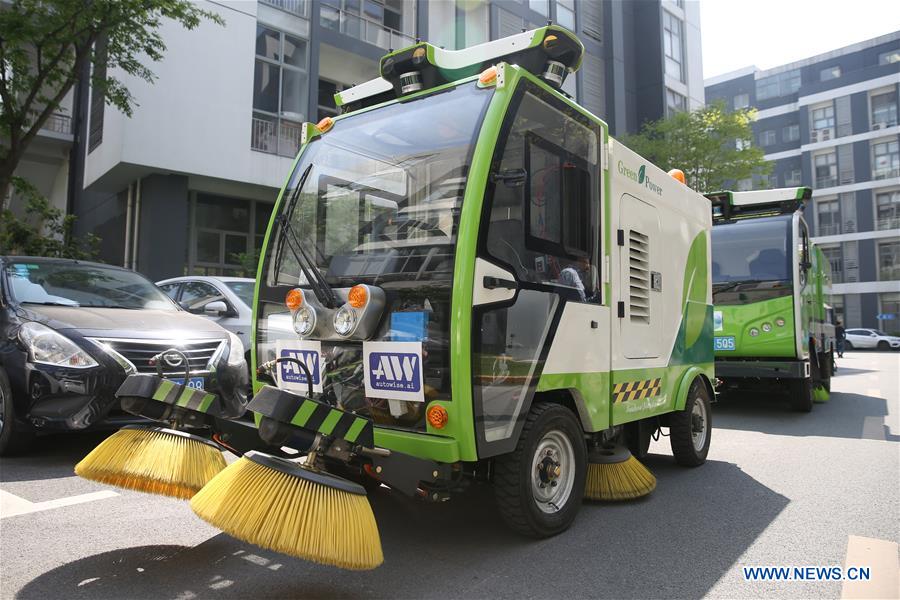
{"x":290,"y":375}
{"x":394,"y":370}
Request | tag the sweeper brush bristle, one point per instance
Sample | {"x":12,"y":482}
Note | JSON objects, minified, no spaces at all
{"x":285,"y":507}
{"x":156,"y":460}
{"x":820,"y":394}
{"x":617,"y":476}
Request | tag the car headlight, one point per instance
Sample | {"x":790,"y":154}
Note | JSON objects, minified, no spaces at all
{"x":235,"y":350}
{"x":304,"y":320}
{"x":50,"y":347}
{"x":344,"y":320}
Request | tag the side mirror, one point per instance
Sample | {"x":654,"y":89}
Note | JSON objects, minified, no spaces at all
{"x":215,"y":309}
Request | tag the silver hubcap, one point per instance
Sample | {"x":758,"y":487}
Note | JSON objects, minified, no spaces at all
{"x":699,"y":423}
{"x":553,"y":471}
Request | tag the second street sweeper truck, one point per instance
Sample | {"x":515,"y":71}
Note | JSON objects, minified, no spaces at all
{"x":771,"y":286}
{"x":465,"y":280}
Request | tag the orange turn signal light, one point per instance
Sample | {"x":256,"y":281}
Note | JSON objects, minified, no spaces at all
{"x":294,"y":299}
{"x":488,"y":76}
{"x":358,"y":296}
{"x":437,"y":416}
{"x":325,"y":124}
{"x":677,"y":174}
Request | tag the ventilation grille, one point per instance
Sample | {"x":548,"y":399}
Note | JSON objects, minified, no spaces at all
{"x":638,"y":277}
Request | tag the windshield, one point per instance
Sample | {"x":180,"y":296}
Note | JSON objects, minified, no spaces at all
{"x":243,"y":290}
{"x":382,"y":199}
{"x":87,"y":285}
{"x":754,"y":250}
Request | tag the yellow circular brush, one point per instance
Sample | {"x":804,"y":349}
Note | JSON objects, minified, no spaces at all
{"x":614,"y":474}
{"x":153,"y":459}
{"x":289,"y":508}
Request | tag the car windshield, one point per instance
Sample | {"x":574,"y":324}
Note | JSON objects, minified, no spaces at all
{"x":86,"y":285}
{"x":243,"y":290}
{"x":752,"y":250}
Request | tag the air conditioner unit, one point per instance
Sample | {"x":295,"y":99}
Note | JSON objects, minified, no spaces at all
{"x":881,"y":125}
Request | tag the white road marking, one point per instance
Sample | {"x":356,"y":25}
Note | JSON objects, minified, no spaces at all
{"x":12,"y":505}
{"x":881,"y":557}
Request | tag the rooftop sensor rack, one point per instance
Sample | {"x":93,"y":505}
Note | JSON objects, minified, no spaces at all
{"x":730,"y":206}
{"x":550,"y":52}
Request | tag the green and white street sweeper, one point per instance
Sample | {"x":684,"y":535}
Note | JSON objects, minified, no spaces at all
{"x":771,"y":286}
{"x":465,"y":279}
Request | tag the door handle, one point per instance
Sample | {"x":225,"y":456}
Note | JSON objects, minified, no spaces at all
{"x":493,"y":283}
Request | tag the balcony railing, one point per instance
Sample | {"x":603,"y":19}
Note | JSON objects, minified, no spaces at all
{"x":886,"y":223}
{"x":889,"y":273}
{"x":361,"y":28}
{"x":57,"y":123}
{"x":295,"y":7}
{"x":268,"y":136}
{"x":826,"y":182}
{"x":885,"y":173}
{"x":829,"y":229}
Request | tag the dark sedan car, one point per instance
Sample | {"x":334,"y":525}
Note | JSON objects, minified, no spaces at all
{"x":70,"y":331}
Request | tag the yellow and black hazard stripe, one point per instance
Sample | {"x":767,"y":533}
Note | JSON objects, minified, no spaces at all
{"x":636,"y":390}
{"x":186,"y":397}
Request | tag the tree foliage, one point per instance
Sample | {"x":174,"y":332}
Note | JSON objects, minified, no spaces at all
{"x":47,"y":45}
{"x":713,"y":146}
{"x":44,"y":231}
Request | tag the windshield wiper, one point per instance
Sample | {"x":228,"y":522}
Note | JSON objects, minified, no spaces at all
{"x":51,"y":303}
{"x":733,"y":284}
{"x":288,"y":237}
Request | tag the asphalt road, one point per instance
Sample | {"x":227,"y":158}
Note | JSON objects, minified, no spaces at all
{"x":779,"y":488}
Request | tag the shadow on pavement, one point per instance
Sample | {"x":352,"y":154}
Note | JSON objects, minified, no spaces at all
{"x":51,"y":457}
{"x":671,"y":543}
{"x":853,"y":416}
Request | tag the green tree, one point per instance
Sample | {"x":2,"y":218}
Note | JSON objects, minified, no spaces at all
{"x":712,"y":145}
{"x":47,"y":45}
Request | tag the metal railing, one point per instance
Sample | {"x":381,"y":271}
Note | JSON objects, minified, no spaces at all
{"x":829,"y":229}
{"x":361,"y":28}
{"x":885,"y":223}
{"x":57,"y":123}
{"x":295,"y":7}
{"x":281,"y":138}
{"x":826,"y":182}
{"x":889,"y":273}
{"x":885,"y":173}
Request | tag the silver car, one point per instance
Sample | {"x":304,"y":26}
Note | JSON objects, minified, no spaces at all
{"x":226,"y":300}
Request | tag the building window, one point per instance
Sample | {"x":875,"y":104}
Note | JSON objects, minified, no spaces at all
{"x":791,"y":133}
{"x":834,"y":256}
{"x":889,"y":304}
{"x":675,"y":103}
{"x":459,"y":24}
{"x":741,"y":101}
{"x":280,"y":85}
{"x":774,"y":86}
{"x":888,"y":58}
{"x":768,"y":138}
{"x":326,"y":106}
{"x":886,"y":159}
{"x":540,"y":6}
{"x":223,"y":230}
{"x":565,"y":13}
{"x":837,"y":303}
{"x":773,"y":181}
{"x":383,"y":23}
{"x":297,"y":7}
{"x":673,"y":45}
{"x":830,"y":73}
{"x":744,"y":185}
{"x":98,"y":100}
{"x":884,"y":110}
{"x":793,"y":177}
{"x":828,"y":217}
{"x":889,"y":260}
{"x":825,"y":168}
{"x":887,"y":210}
{"x":822,"y":123}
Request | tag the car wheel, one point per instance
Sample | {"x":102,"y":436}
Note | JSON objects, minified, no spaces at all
{"x":13,"y":440}
{"x":539,"y":485}
{"x":848,"y":345}
{"x":883,"y":346}
{"x":690,"y":429}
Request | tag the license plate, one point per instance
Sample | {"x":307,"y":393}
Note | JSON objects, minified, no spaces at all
{"x":724,"y":343}
{"x":195,"y":382}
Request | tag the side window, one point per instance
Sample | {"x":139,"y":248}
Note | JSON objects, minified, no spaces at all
{"x":545,"y":200}
{"x":171,"y":289}
{"x":197,"y":294}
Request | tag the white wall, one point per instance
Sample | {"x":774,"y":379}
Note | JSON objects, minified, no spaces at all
{"x":195,"y":119}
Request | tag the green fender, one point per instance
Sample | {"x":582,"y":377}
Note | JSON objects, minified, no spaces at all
{"x":685,"y":384}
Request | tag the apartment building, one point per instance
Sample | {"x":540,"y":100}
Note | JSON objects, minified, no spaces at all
{"x":831,"y":122}
{"x":187,"y":184}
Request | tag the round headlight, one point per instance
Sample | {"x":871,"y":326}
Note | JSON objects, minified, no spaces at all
{"x":767,"y":327}
{"x":344,"y":320}
{"x":304,"y":320}
{"x":754,"y":332}
{"x":779,"y":321}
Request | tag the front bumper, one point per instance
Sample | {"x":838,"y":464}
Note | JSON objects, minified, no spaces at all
{"x":762,"y":369}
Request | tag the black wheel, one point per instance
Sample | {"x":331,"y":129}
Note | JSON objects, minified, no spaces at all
{"x":848,"y":345}
{"x":801,"y":395}
{"x":539,"y":486}
{"x":690,"y":429}
{"x":883,"y":346}
{"x":13,"y":439}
